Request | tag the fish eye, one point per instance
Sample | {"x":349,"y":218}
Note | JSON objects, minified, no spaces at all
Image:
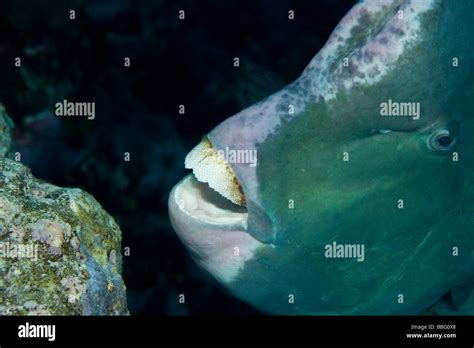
{"x":444,"y":139}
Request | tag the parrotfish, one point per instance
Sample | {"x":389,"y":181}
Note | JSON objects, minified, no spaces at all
{"x":361,"y":197}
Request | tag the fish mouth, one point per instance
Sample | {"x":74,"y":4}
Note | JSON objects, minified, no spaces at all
{"x":211,"y":217}
{"x":199,"y":202}
{"x":210,"y":225}
{"x":213,"y":229}
{"x":212,"y":194}
{"x":210,"y":199}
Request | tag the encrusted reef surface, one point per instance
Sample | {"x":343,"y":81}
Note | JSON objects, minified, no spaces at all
{"x":59,"y":249}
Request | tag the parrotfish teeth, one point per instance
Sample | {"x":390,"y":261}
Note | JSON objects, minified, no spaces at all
{"x":209,"y":166}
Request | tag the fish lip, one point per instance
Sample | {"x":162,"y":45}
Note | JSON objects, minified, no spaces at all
{"x":212,"y":244}
{"x":198,"y":203}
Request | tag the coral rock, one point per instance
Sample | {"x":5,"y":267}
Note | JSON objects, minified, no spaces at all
{"x":59,"y":249}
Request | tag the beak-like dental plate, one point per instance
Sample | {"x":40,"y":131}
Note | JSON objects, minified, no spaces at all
{"x":209,"y":166}
{"x":211,"y":196}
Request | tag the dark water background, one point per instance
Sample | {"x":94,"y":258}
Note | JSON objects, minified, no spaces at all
{"x":173,"y":62}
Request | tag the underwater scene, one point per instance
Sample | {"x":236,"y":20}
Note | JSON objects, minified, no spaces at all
{"x":189,"y":158}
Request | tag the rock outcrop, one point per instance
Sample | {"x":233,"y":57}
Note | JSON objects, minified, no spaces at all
{"x":59,"y":249}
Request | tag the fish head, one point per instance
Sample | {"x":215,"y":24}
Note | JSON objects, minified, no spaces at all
{"x":361,"y":197}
